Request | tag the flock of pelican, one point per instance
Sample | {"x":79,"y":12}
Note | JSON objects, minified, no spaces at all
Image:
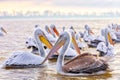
{"x":49,"y":43}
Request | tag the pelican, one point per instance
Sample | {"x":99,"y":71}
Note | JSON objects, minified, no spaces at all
{"x":70,"y":53}
{"x":97,"y":40}
{"x":106,"y":47}
{"x":25,"y":59}
{"x":50,"y":34}
{"x":83,"y":64}
{"x":2,"y":31}
{"x":88,"y":34}
{"x":115,"y":34}
{"x":31,"y":44}
{"x":81,"y":44}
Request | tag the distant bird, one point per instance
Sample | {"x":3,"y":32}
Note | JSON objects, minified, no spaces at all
{"x":50,"y":34}
{"x":98,"y":39}
{"x":88,"y":34}
{"x":2,"y":31}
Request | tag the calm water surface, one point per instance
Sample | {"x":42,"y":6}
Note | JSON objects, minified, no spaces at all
{"x":19,"y":30}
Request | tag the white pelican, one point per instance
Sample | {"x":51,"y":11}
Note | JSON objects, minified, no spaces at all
{"x":26,"y":59}
{"x":106,"y":47}
{"x":78,"y":35}
{"x":81,"y":44}
{"x":88,"y":34}
{"x":50,"y":34}
{"x":2,"y":31}
{"x":115,"y":33}
{"x":98,"y":39}
{"x":70,"y":53}
{"x":83,"y":64}
{"x":31,"y":44}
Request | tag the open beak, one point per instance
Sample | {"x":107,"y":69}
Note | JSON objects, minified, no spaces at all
{"x":4,"y":30}
{"x":75,"y":45}
{"x":110,"y":39}
{"x":45,"y":41}
{"x":60,"y":42}
{"x":56,"y":31}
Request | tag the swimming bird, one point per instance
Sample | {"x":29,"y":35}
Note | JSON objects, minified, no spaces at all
{"x":115,"y":34}
{"x":97,"y":40}
{"x":26,"y":59}
{"x":2,"y":31}
{"x":106,"y":48}
{"x":81,"y":44}
{"x":88,"y":34}
{"x":83,"y":64}
{"x":31,"y":43}
{"x":50,"y":34}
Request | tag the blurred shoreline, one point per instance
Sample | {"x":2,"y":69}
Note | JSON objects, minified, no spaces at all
{"x":109,"y":18}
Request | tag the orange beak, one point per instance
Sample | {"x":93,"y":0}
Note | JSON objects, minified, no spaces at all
{"x":49,"y":31}
{"x":110,"y":39}
{"x":56,"y":31}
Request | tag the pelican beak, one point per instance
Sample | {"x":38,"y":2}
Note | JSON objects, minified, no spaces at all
{"x":45,"y":41}
{"x":110,"y":39}
{"x":4,"y":30}
{"x":80,"y":39}
{"x":60,"y":42}
{"x":91,"y":32}
{"x":49,"y":31}
{"x":75,"y":45}
{"x":56,"y":31}
{"x":74,"y":30}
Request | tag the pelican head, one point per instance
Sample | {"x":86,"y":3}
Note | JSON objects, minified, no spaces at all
{"x":47,"y":29}
{"x":63,"y":28}
{"x":73,"y":29}
{"x":37,"y":25}
{"x":87,"y":27}
{"x":54,"y":29}
{"x":64,"y":39}
{"x":30,"y":42}
{"x":38,"y":32}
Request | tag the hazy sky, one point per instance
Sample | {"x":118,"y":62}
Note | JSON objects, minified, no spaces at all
{"x":61,"y":5}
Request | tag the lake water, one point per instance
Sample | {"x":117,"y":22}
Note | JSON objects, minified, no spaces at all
{"x":19,"y":30}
